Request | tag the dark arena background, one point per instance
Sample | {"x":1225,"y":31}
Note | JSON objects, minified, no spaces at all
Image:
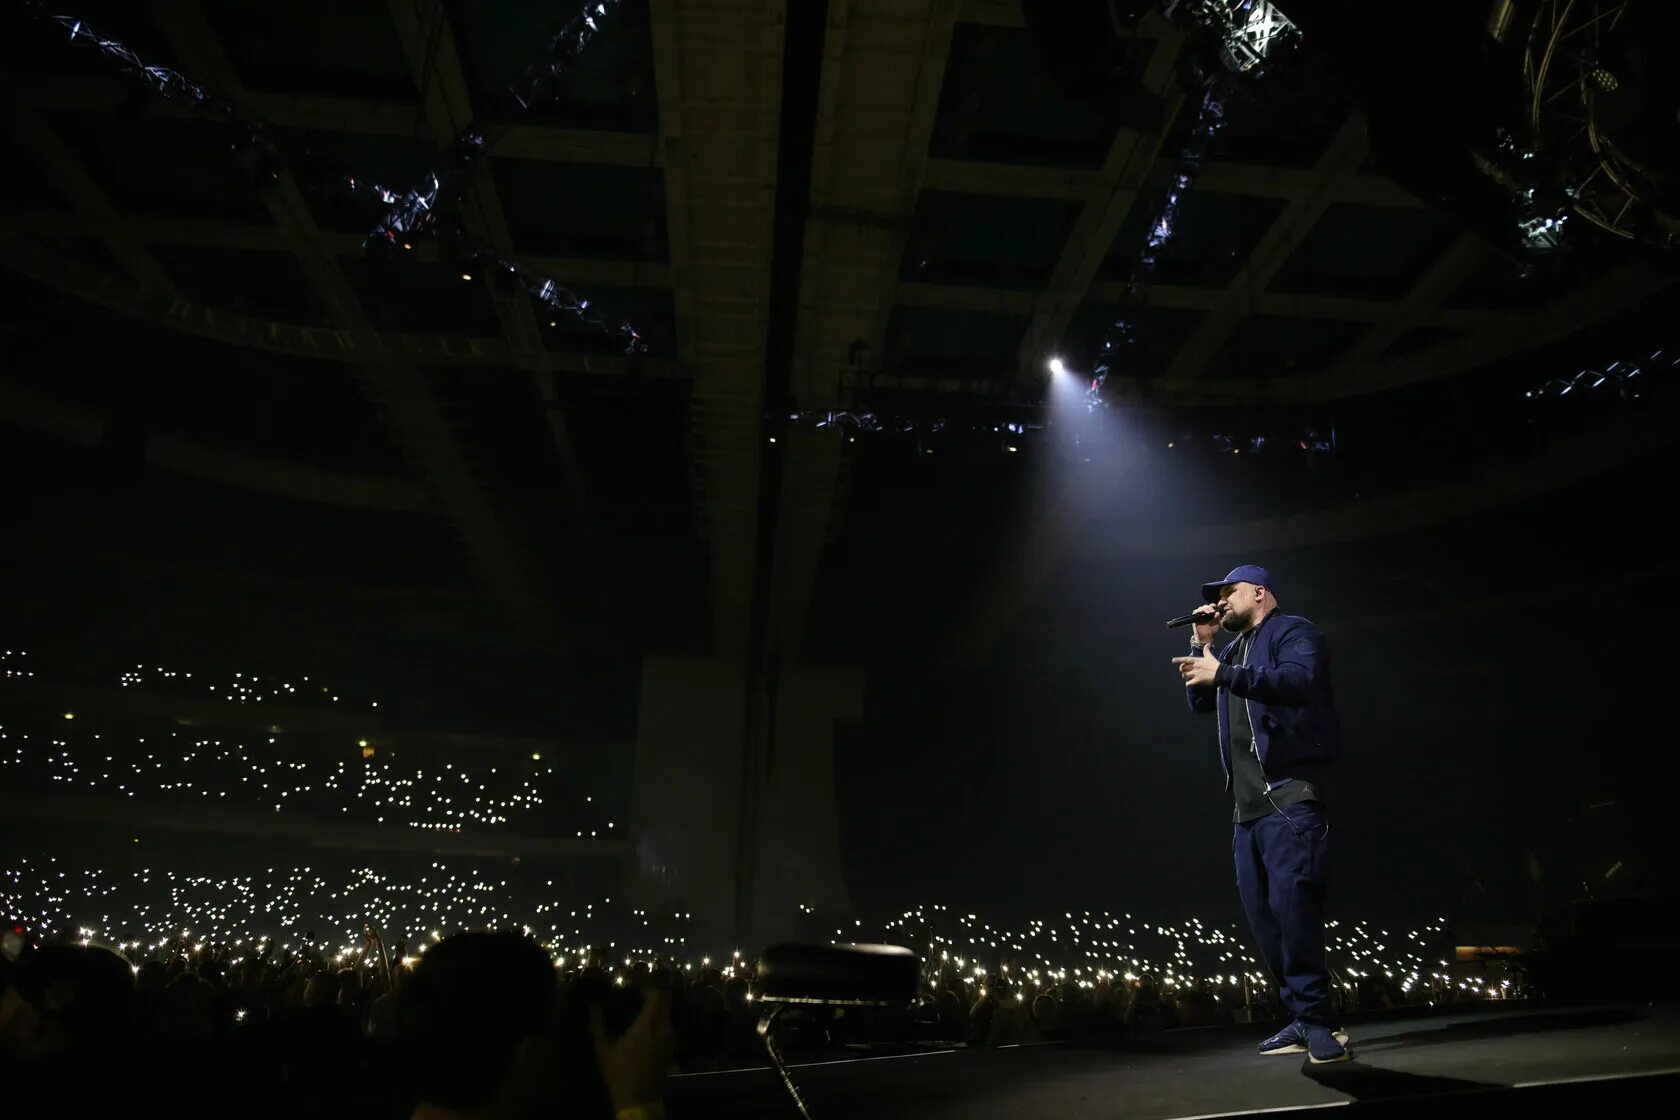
{"x":687,"y":492}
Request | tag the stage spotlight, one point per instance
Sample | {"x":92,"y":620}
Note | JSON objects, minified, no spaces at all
{"x":1056,"y":367}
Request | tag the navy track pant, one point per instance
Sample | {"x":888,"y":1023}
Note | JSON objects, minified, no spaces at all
{"x":1283,"y":872}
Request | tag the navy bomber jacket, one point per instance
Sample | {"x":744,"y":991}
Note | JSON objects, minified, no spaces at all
{"x":1286,"y":685}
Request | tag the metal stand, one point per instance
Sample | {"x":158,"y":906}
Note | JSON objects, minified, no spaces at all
{"x":828,"y":976}
{"x":766,"y":1027}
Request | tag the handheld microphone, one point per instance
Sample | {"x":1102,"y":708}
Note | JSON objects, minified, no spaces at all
{"x":1188,"y":619}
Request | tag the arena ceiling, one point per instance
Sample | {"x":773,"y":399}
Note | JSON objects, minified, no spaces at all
{"x":797,"y":208}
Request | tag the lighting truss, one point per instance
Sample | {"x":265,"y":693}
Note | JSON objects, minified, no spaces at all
{"x":1622,"y":377}
{"x":1210,"y":118}
{"x":1012,"y":435}
{"x":1566,"y":70}
{"x":562,"y":300}
{"x":1250,"y":31}
{"x":540,"y":77}
{"x":413,"y":213}
{"x":159,"y":79}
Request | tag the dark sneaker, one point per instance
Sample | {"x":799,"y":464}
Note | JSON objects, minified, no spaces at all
{"x":1290,"y":1040}
{"x":1293,"y":1039}
{"x":1323,"y":1046}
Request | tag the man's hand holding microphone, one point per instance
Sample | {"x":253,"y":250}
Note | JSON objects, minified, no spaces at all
{"x":1205,"y":631}
{"x":1199,"y":672}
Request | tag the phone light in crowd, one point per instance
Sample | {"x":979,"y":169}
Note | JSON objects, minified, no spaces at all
{"x":452,"y":799}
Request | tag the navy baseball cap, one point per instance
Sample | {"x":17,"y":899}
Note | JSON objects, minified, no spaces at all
{"x":1242,"y":573}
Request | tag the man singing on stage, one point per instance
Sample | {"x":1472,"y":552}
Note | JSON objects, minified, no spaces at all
{"x":1278,"y":733}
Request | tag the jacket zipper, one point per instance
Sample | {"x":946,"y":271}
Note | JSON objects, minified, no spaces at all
{"x":1223,"y":760}
{"x":1254,"y":745}
{"x":1219,"y":734}
{"x":1253,"y":733}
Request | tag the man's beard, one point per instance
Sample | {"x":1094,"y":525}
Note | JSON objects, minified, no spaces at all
{"x":1234,"y":621}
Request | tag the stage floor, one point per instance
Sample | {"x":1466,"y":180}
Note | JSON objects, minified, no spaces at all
{"x":1215,"y":1071}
